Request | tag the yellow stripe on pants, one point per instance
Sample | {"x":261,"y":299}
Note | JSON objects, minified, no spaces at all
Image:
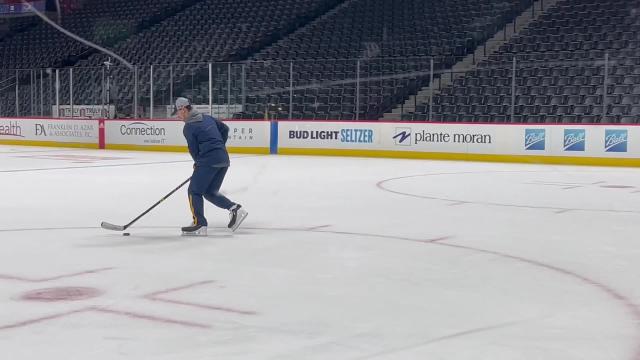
{"x":193,"y":212}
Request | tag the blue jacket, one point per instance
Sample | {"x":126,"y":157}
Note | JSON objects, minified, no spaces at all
{"x":206,"y":137}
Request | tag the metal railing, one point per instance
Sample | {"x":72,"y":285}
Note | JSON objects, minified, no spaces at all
{"x":353,"y":89}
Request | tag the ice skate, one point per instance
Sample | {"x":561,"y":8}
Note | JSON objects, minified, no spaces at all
{"x":236,"y":216}
{"x":194,"y":230}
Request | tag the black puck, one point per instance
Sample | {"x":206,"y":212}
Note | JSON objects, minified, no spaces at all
{"x":126,"y":234}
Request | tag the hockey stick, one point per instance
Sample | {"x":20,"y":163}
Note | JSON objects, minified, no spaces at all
{"x":109,"y":226}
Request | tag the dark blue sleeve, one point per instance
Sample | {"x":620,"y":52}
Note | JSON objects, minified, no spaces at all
{"x":224,"y":130}
{"x":192,"y":141}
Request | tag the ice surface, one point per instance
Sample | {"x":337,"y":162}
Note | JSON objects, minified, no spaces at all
{"x":340,"y":258}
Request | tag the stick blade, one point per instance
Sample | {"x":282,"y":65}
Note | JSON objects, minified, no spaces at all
{"x":108,"y":226}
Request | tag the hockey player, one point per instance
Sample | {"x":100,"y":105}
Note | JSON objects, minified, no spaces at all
{"x":206,"y":138}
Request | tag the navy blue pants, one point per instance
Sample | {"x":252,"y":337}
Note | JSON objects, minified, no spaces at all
{"x":206,"y":182}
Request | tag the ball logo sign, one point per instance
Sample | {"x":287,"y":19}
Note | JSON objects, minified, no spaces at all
{"x":534,"y":139}
{"x":615,"y":140}
{"x":574,"y":139}
{"x":402,"y":136}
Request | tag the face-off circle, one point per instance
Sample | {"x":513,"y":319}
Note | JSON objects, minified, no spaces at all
{"x":61,"y":294}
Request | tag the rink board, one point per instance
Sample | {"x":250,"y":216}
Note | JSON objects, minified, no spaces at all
{"x":615,"y":145}
{"x":607,"y":144}
{"x":143,"y":134}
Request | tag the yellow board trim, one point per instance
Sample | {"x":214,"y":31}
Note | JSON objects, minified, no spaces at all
{"x":529,"y":159}
{"x":249,"y":150}
{"x":50,"y":144}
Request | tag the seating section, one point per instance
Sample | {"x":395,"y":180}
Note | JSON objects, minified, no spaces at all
{"x":210,"y":31}
{"x":560,"y":71}
{"x":102,"y":22}
{"x":403,"y":32}
{"x":69,"y":6}
{"x":13,"y":25}
{"x":392,"y":39}
{"x":336,"y":59}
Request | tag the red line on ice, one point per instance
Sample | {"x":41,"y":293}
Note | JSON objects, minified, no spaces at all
{"x":155,"y":297}
{"x":31,"y":280}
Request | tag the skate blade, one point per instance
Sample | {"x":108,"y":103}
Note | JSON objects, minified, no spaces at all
{"x":241,"y":216}
{"x":199,"y":232}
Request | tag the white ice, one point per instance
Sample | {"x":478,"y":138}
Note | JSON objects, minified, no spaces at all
{"x":340,"y":258}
